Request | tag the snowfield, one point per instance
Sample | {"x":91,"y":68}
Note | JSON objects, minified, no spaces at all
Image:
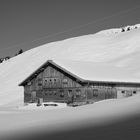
{"x":108,"y":119}
{"x":115,"y":119}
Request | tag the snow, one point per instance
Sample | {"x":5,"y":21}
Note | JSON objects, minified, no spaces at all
{"x":67,"y":119}
{"x":108,"y":56}
{"x":116,"y":55}
{"x":33,"y":106}
{"x":120,"y":30}
{"x":99,"y":71}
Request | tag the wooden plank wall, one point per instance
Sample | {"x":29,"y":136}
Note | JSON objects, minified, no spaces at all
{"x":124,"y":91}
{"x":53,"y":85}
{"x":101,"y":93}
{"x":49,"y":82}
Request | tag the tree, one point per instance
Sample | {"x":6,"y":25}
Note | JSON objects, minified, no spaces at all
{"x":20,"y":51}
{"x":123,"y":30}
{"x":1,"y":60}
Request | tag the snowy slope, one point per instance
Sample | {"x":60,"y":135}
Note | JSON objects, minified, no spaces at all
{"x":119,"y":49}
{"x":114,"y":120}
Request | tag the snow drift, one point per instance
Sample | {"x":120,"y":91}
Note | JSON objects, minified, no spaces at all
{"x":113,"y":119}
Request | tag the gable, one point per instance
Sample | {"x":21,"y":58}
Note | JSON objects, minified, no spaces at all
{"x":52,"y":73}
{"x":53,"y":77}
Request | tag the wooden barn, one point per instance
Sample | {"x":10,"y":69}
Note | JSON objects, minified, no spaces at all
{"x":61,"y":83}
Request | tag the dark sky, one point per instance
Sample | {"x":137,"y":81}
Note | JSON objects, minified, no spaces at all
{"x":24,"y":21}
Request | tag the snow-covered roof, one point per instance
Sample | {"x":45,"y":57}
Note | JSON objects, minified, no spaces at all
{"x":91,"y":72}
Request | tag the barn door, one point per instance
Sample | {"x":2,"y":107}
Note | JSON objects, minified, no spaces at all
{"x":33,"y":96}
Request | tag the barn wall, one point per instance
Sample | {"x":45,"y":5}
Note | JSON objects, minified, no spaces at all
{"x":54,"y":85}
{"x":100,"y":92}
{"x":64,"y":95}
{"x":107,"y":91}
{"x":127,"y":90}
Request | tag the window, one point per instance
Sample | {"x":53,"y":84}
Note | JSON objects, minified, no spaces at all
{"x":55,"y":81}
{"x":29,"y":83}
{"x":65,"y":81}
{"x":78,"y":93}
{"x":50,"y":92}
{"x":134,"y":92}
{"x":45,"y":81}
{"x":95,"y":92}
{"x":39,"y":82}
{"x":69,"y":93}
{"x":39,"y":79}
{"x":123,"y":91}
{"x":50,"y":82}
{"x":61,"y":93}
{"x":54,"y":92}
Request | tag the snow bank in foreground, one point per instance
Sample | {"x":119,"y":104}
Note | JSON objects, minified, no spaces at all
{"x":20,"y":121}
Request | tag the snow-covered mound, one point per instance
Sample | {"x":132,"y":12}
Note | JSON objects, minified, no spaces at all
{"x":119,"y":50}
{"x":114,"y":118}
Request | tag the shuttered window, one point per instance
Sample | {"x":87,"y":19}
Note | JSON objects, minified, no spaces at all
{"x":62,"y":93}
{"x":69,"y":93}
{"x":78,"y":93}
{"x":51,"y":82}
{"x":95,"y":92}
{"x":39,"y":81}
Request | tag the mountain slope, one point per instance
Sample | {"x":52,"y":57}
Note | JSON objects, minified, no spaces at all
{"x":119,"y":49}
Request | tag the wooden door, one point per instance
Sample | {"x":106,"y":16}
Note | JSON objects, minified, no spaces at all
{"x":33,"y":96}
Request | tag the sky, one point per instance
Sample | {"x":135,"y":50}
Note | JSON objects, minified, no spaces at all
{"x":25,"y":24}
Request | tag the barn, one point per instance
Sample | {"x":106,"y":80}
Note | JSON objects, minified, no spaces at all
{"x":78,"y":82}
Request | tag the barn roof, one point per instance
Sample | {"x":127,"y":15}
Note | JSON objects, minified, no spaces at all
{"x":91,"y":72}
{"x":42,"y":67}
